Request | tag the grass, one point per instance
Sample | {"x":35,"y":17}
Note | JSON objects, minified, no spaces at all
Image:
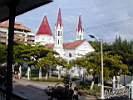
{"x":51,"y":79}
{"x":85,"y":89}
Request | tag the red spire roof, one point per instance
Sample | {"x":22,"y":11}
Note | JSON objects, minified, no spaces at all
{"x":80,"y":28}
{"x":59,"y":19}
{"x":44,"y":28}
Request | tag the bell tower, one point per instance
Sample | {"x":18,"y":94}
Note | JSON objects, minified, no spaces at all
{"x":59,"y":34}
{"x":79,"y":30}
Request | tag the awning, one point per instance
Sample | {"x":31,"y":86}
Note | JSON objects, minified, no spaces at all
{"x":22,"y":7}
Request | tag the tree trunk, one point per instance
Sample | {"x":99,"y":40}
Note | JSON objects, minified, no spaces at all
{"x":46,"y":76}
{"x":40,"y":73}
{"x":28,"y":73}
{"x":118,"y":82}
{"x":114,"y":84}
{"x":92,"y":83}
{"x":59,"y":73}
{"x":50,"y":72}
{"x":20,"y":72}
{"x":124,"y":80}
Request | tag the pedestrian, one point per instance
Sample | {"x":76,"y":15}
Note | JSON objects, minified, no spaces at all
{"x":75,"y":96}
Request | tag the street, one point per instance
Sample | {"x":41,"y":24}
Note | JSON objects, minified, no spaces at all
{"x":35,"y":90}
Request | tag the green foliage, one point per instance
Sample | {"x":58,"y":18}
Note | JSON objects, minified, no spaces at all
{"x":125,"y":50}
{"x":47,"y":61}
{"x":117,"y":59}
{"x":51,"y":79}
{"x":3,"y":54}
{"x":63,"y":62}
{"x":114,"y":64}
{"x":85,"y":89}
{"x":29,"y":54}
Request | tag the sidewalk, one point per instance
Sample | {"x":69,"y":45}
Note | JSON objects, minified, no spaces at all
{"x":89,"y":97}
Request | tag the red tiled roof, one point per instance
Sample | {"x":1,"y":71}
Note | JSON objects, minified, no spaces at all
{"x":73,"y":45}
{"x":5,"y":24}
{"x":50,"y":46}
{"x":44,"y":28}
{"x":70,"y":45}
{"x":80,"y":27}
{"x":59,"y":19}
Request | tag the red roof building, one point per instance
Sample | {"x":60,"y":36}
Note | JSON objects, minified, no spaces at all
{"x":44,"y":28}
{"x":66,"y":50}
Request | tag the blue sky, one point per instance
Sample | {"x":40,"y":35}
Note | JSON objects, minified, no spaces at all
{"x":105,"y":19}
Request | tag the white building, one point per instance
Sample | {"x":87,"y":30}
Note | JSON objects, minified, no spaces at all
{"x":22,"y":34}
{"x":55,"y":41}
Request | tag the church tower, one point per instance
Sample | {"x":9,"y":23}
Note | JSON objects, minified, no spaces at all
{"x":58,"y":46}
{"x":79,"y":30}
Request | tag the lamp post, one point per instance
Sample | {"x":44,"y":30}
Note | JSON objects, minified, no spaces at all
{"x":101,"y":51}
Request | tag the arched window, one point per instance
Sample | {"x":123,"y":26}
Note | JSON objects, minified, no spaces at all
{"x":58,"y":41}
{"x":58,"y":33}
{"x":70,"y":55}
{"x":80,"y":37}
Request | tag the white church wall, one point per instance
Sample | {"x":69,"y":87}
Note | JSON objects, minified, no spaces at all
{"x":79,"y":35}
{"x":69,"y":54}
{"x":44,"y":39}
{"x":58,"y":36}
{"x":60,"y":51}
{"x":83,"y":49}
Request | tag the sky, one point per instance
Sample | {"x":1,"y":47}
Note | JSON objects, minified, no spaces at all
{"x":105,"y":19}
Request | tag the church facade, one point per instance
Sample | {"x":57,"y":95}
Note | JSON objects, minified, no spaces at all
{"x":55,"y":41}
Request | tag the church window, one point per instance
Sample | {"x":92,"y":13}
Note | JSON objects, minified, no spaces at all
{"x":58,"y":33}
{"x":80,"y":37}
{"x":70,"y":55}
{"x":58,"y":41}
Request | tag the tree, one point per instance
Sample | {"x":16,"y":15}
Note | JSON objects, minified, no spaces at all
{"x":115,"y":65}
{"x":65,"y":64}
{"x":47,"y":62}
{"x":124,"y":49}
{"x":29,"y":54}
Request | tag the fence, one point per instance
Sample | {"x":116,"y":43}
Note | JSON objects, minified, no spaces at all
{"x":117,"y":93}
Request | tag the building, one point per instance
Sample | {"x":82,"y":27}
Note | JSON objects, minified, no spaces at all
{"x":22,"y":34}
{"x":55,"y":41}
{"x":44,"y":34}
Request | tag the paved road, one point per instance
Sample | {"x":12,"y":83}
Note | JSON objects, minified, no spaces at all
{"x":35,"y":90}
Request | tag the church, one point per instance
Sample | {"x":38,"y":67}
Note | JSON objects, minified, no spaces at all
{"x":55,"y":41}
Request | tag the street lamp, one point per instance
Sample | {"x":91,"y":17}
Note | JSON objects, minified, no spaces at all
{"x":102,"y":80}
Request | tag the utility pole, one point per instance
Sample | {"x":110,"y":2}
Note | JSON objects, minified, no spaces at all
{"x":101,"y":51}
